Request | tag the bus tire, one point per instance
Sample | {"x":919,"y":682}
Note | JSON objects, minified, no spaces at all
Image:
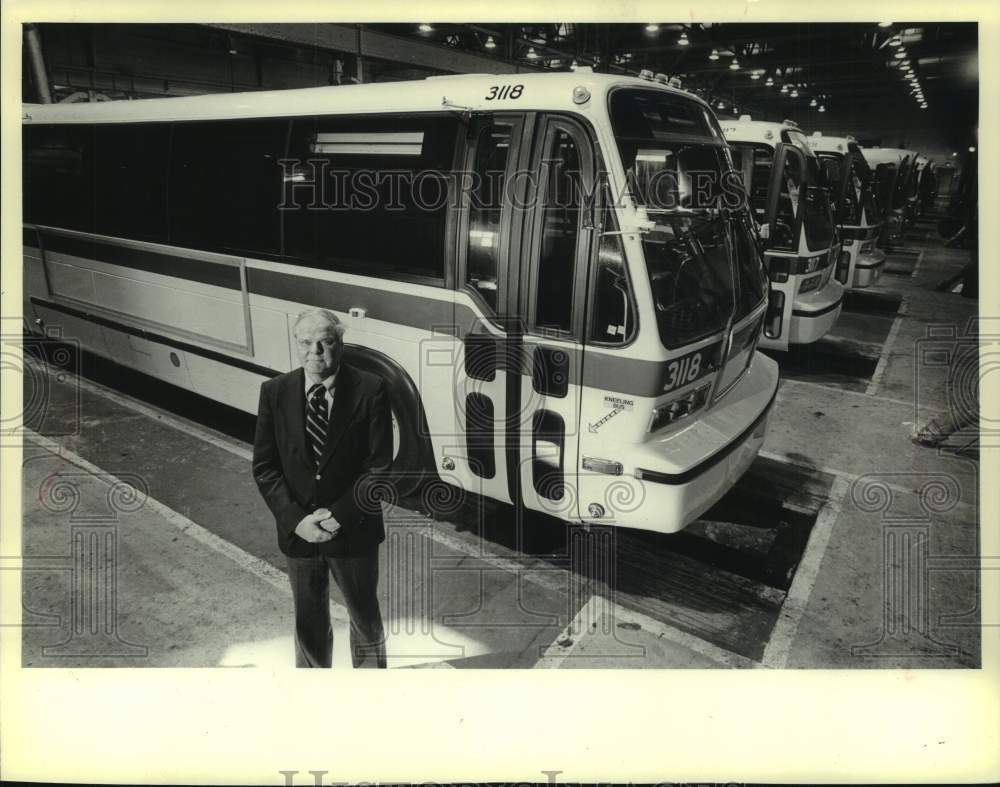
{"x":413,"y":463}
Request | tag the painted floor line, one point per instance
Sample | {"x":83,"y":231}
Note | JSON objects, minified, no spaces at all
{"x":541,"y":574}
{"x":848,"y":391}
{"x":779,"y":644}
{"x":883,"y":361}
{"x":204,"y":433}
{"x":254,"y":565}
{"x":571,"y":636}
{"x":850,"y":478}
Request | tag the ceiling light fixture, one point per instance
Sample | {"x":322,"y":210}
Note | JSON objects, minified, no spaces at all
{"x":490,"y":43}
{"x":652,"y":28}
{"x":769,"y":82}
{"x":900,"y":54}
{"x":813,"y":103}
{"x":734,"y":66}
{"x":895,"y":41}
{"x":531,"y":53}
{"x":683,"y":40}
{"x":794,"y":94}
{"x":885,"y":24}
{"x":821,"y":108}
{"x":714,"y":55}
{"x":755,"y":74}
{"x":425,"y":28}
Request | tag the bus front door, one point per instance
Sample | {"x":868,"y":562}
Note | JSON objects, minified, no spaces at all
{"x":555,"y":249}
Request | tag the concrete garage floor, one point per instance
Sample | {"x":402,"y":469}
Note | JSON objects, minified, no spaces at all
{"x":803,"y":564}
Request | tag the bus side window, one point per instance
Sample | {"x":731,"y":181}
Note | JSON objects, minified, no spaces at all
{"x":130,"y":182}
{"x":225,"y":182}
{"x":486,"y":204}
{"x":560,"y":220}
{"x":370,"y":195}
{"x":59,"y":176}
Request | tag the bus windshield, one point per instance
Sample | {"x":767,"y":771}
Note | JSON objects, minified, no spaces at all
{"x":817,"y":218}
{"x":863,"y":183}
{"x":835,"y":168}
{"x":884,"y":181}
{"x":678,"y":167}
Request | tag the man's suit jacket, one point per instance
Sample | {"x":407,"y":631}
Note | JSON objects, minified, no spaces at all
{"x":358,"y":448}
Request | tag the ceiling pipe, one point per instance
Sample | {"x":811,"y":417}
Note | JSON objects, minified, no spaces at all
{"x":34,"y":43}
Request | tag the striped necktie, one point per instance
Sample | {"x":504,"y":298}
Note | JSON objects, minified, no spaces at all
{"x":316,"y":420}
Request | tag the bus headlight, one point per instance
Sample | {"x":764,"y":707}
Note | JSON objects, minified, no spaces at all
{"x":676,"y":409}
{"x":810,"y":284}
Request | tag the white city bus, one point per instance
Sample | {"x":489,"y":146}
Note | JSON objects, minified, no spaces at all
{"x":855,"y":209}
{"x":546,"y":341}
{"x":786,"y":188}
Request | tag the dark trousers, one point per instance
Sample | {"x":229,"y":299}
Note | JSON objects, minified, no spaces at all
{"x":357,"y":578}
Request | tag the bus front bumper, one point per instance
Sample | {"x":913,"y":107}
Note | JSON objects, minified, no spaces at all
{"x":814,"y":314}
{"x":868,"y":268}
{"x":680,"y":476}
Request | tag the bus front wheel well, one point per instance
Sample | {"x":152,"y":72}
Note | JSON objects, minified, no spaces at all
{"x":414,"y":460}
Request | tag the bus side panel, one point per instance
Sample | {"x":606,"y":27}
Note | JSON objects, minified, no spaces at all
{"x":211,"y":313}
{"x":224,"y":383}
{"x":61,"y":326}
{"x":151,"y":357}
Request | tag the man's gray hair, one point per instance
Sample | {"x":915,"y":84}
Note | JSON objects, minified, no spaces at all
{"x":323,"y":314}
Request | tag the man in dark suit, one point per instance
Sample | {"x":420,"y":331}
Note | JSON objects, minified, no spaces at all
{"x":324,"y":432}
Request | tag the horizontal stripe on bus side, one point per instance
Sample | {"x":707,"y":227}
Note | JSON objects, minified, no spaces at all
{"x":414,"y":311}
{"x":151,"y":336}
{"x":181,"y":267}
{"x":611,"y":372}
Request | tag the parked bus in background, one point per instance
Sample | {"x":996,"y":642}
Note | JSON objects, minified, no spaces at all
{"x":896,"y":188}
{"x":855,"y":208}
{"x":787,"y":191}
{"x":551,"y":336}
{"x":926,"y":185}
